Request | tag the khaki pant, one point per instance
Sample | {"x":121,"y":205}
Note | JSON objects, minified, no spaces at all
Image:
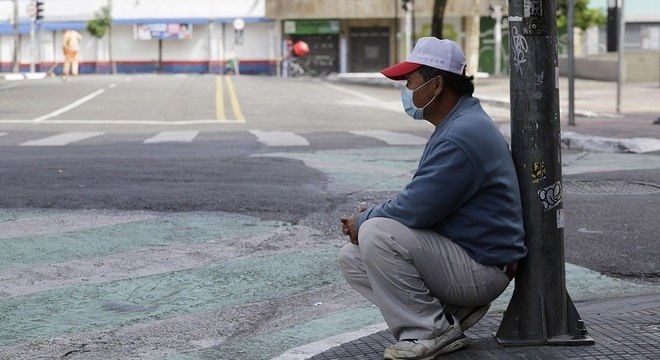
{"x":414,"y":275}
{"x":70,"y":62}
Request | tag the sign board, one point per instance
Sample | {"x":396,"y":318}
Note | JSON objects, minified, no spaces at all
{"x":163,"y":31}
{"x":310,"y":27}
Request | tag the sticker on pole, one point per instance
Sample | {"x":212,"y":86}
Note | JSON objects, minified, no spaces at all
{"x":550,"y":196}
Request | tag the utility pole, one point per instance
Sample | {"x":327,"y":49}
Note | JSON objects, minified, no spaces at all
{"x":621,"y":36}
{"x":571,"y":62}
{"x":497,"y":15}
{"x":17,"y":37}
{"x":408,"y":8}
{"x":33,"y":45}
{"x":113,"y":66}
{"x":540,"y":311}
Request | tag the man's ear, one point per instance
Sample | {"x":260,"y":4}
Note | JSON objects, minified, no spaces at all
{"x":439,"y":85}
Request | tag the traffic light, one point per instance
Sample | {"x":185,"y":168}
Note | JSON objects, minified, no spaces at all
{"x":40,"y":10}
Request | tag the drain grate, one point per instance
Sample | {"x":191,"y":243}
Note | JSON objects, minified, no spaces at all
{"x":607,"y":187}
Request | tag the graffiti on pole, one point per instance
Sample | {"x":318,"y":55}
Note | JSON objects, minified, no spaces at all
{"x":550,"y":196}
{"x":519,"y":47}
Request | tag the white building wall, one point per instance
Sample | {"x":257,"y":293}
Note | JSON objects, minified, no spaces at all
{"x":212,"y":41}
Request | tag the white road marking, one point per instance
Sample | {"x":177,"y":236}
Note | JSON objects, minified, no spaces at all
{"x":392,"y":138}
{"x":62,"y":139}
{"x":587,"y":231}
{"x":367,"y":100}
{"x":353,"y":93}
{"x":172,"y":136}
{"x":279,"y":138}
{"x":123,"y":122}
{"x":71,"y":106}
{"x":3,"y":133}
{"x":309,"y":350}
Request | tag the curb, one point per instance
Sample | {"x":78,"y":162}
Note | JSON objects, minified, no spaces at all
{"x":24,"y":76}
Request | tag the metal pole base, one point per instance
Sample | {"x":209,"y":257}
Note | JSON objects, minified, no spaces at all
{"x":514,"y":332}
{"x":565,"y":340}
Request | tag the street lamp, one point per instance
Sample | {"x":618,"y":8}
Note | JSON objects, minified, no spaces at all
{"x":239,"y":25}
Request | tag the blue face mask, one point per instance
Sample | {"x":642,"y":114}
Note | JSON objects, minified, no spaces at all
{"x":413,"y":111}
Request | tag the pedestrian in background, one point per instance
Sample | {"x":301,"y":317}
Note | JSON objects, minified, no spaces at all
{"x":441,"y":250}
{"x":71,"y":48}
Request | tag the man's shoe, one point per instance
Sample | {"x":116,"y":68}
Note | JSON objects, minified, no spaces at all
{"x":450,"y":340}
{"x":468,"y":320}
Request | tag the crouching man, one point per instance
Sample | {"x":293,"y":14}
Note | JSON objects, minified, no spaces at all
{"x":437,"y":254}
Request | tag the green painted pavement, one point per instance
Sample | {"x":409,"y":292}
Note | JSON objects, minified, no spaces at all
{"x":585,"y":162}
{"x":391,"y":168}
{"x":167,"y":229}
{"x":582,"y":284}
{"x":374,"y":169}
{"x":267,"y":346}
{"x":99,"y":307}
{"x":20,"y":214}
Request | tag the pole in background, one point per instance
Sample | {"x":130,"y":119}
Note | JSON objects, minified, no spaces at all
{"x":113,"y":65}
{"x":612,"y":25}
{"x":621,"y":36}
{"x":408,"y":8}
{"x":497,"y":15}
{"x":540,"y":311}
{"x":15,"y":66}
{"x":571,"y":62}
{"x":396,"y":32}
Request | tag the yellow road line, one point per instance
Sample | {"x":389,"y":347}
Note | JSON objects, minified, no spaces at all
{"x":219,"y":100}
{"x":235,"y":106}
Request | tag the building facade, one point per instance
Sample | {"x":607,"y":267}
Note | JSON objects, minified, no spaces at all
{"x":202,"y":36}
{"x":183,"y":36}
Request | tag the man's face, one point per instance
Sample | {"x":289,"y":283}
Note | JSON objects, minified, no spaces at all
{"x":423,"y":90}
{"x":414,"y":80}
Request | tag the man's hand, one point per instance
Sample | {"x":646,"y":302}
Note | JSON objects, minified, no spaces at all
{"x":349,"y":227}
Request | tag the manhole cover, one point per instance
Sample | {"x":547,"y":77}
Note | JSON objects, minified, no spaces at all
{"x":605,"y":187}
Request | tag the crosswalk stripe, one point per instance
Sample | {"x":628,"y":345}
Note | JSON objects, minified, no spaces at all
{"x":62,"y":139}
{"x":279,"y":138}
{"x":172,"y":136}
{"x":392,"y":138}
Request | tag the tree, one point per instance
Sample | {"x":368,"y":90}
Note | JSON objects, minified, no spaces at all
{"x":438,"y":18}
{"x":585,"y":17}
{"x":101,"y":22}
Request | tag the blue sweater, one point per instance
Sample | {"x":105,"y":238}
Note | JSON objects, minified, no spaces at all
{"x":465,"y":188}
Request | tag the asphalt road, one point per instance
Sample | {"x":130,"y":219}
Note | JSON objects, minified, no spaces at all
{"x":191,"y":216}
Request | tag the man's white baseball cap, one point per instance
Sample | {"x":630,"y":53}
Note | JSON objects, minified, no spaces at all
{"x":441,"y":54}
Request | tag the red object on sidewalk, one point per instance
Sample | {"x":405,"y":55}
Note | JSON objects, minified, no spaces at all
{"x":300,"y":48}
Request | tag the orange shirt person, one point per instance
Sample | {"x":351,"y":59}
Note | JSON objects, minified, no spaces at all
{"x":71,"y":47}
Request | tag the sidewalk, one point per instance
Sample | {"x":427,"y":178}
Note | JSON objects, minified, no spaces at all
{"x":622,"y":328}
{"x":627,"y":328}
{"x":598,"y":126}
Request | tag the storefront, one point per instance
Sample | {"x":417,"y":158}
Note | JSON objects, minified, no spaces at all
{"x":369,"y":48}
{"x":322,"y":37}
